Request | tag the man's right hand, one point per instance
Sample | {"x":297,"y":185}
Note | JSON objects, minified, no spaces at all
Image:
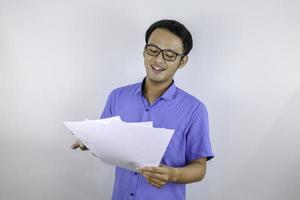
{"x":78,"y":144}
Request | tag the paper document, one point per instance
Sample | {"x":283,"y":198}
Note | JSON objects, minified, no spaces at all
{"x":128,"y":145}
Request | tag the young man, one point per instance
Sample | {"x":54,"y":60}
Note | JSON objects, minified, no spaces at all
{"x":157,"y":99}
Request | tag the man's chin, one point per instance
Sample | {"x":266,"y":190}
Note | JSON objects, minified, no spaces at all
{"x":156,"y":79}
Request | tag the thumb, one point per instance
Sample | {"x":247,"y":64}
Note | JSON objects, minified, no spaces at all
{"x":75,"y":145}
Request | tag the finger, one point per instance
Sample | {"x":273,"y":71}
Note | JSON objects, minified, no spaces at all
{"x":156,"y":185}
{"x":149,"y":169}
{"x":82,"y":147}
{"x":158,"y":170}
{"x":75,"y":145}
{"x":156,"y":182}
{"x":155,"y":175}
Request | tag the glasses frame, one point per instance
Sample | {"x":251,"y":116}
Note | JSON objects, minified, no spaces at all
{"x":163,"y":52}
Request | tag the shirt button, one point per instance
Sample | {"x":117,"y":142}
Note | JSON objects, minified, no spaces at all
{"x":131,"y":194}
{"x":147,"y":109}
{"x":135,"y":173}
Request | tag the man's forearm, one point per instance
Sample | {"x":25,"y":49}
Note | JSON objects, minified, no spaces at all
{"x":190,"y":173}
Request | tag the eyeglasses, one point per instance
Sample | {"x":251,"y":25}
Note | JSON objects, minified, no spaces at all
{"x":168,"y":55}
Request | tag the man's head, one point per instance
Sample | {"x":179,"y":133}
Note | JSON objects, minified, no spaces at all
{"x":177,"y":29}
{"x":168,"y":43}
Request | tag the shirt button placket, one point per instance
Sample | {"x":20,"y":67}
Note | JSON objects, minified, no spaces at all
{"x":134,"y":182}
{"x":146,"y":114}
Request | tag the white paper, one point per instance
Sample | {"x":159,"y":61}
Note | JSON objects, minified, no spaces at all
{"x":127,"y":145}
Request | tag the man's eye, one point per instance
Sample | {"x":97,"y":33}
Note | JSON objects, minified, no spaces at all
{"x":170,"y":55}
{"x":153,"y":50}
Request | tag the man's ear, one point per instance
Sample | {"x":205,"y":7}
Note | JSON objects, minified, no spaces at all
{"x":183,"y":61}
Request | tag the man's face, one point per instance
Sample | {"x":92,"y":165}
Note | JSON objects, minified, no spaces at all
{"x":159,"y":70}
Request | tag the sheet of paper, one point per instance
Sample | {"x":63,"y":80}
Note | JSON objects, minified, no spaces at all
{"x":117,"y":118}
{"x":127,"y":145}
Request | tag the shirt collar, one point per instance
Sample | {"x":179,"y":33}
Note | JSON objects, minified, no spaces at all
{"x":169,"y":94}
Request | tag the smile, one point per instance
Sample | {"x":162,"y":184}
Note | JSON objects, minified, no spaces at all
{"x":158,"y":68}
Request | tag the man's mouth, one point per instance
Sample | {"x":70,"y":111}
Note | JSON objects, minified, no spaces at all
{"x":157,"y":68}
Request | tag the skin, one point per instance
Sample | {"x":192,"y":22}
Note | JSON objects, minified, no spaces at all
{"x":78,"y":144}
{"x":156,"y":83}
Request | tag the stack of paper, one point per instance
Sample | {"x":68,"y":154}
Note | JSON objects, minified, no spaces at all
{"x":127,"y":145}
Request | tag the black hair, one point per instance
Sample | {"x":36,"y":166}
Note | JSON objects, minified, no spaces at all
{"x":176,"y":28}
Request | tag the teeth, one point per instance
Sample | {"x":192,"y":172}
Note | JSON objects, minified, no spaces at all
{"x":157,"y":68}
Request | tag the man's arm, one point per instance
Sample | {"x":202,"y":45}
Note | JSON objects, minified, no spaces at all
{"x":159,"y":176}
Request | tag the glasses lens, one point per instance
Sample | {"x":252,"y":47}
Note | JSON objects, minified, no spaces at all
{"x":169,"y":55}
{"x":152,"y":50}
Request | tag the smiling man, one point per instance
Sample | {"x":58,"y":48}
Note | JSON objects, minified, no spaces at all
{"x":157,"y":99}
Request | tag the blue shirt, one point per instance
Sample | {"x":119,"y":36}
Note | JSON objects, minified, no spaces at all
{"x":175,"y":109}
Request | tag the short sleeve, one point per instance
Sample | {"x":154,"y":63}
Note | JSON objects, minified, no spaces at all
{"x":108,"y":109}
{"x":198,"y":141}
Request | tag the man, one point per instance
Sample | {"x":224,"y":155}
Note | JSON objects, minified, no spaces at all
{"x":157,"y":99}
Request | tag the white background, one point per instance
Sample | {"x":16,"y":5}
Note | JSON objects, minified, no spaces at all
{"x":60,"y":59}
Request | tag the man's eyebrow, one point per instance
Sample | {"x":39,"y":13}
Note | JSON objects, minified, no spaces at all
{"x":172,"y":50}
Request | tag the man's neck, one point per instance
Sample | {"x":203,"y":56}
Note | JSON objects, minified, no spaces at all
{"x":153,"y":90}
